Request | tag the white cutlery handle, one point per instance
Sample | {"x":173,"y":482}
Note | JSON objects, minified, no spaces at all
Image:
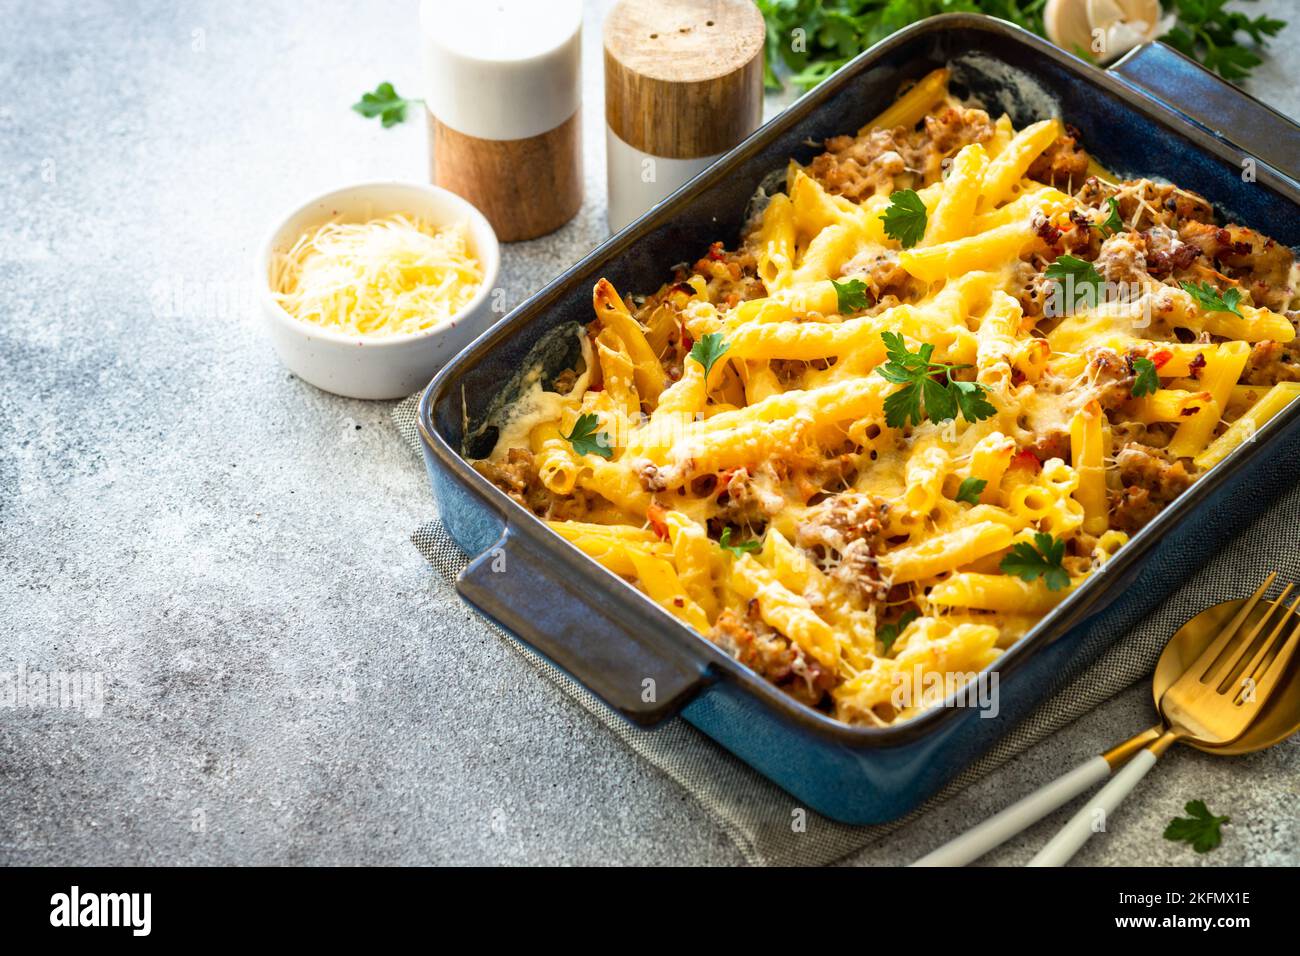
{"x":1075,"y":833}
{"x":1000,"y":827}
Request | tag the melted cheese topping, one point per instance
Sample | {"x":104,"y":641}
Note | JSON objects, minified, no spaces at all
{"x":763,"y":488}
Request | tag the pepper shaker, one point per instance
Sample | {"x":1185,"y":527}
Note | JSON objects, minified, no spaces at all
{"x":503,"y":93}
{"x":683,"y":84}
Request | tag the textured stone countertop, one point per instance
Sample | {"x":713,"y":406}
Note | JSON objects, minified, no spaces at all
{"x":286,"y":680}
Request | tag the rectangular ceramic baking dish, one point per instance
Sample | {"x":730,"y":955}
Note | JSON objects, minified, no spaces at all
{"x":1155,"y":114}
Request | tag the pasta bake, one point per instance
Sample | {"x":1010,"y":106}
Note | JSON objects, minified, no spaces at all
{"x":949,"y":370}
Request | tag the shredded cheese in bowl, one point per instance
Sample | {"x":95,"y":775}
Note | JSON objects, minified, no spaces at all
{"x":389,"y":276}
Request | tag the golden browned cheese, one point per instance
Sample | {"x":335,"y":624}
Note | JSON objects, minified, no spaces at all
{"x":942,"y":377}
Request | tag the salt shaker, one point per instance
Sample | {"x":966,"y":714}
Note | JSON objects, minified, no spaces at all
{"x":503,"y":91}
{"x":683,"y":84}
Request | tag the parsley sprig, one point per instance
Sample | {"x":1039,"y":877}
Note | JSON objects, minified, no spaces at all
{"x":852,"y":296}
{"x":708,"y":350}
{"x":586,"y":440}
{"x":1212,"y":300}
{"x":386,"y":104}
{"x":1145,"y":379}
{"x":1042,"y":559}
{"x":737,"y":547}
{"x":1076,"y":281}
{"x":929,"y":390}
{"x":1201,"y":829}
{"x":888,"y":633}
{"x":971,"y":489}
{"x":1112,"y":224}
{"x":905,"y":218}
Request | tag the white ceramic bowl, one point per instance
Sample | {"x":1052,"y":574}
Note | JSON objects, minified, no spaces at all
{"x":391,"y":366}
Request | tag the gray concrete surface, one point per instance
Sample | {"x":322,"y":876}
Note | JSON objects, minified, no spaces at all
{"x":225,"y":547}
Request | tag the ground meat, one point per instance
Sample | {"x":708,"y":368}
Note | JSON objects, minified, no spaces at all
{"x":651,"y":478}
{"x":1150,"y":479}
{"x":1079,"y":239}
{"x":1122,"y":258}
{"x":859,"y":571}
{"x":1053,"y":444}
{"x":846,"y":532}
{"x":836,"y":522}
{"x":745,"y":502}
{"x":1131,"y":508}
{"x":565,"y":381}
{"x":1064,"y":163}
{"x":517,"y":477}
{"x":1032,"y":288}
{"x":942,"y":137}
{"x":772,"y":655}
{"x":826,"y":475}
{"x":1143,"y":204}
{"x":1260,"y":264}
{"x":1166,"y":254}
{"x":884,"y":276}
{"x":789,"y":372}
{"x":1112,"y":377}
{"x":514,"y":475}
{"x":1273,"y":362}
{"x":858,"y":169}
{"x":730,"y":277}
{"x":883,"y":160}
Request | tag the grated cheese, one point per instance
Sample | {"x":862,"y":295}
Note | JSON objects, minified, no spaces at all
{"x":389,"y":276}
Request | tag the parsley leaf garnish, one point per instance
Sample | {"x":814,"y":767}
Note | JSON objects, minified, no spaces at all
{"x":888,"y":633}
{"x":1146,"y":381}
{"x":852,"y":295}
{"x":923,"y":396}
{"x":1201,"y":829}
{"x":1112,"y":223}
{"x":385,"y":103}
{"x":708,"y":350}
{"x":1040,"y":559}
{"x":905,"y":218}
{"x":1210,"y":299}
{"x":739,"y":547}
{"x":970,"y":490}
{"x":1074,"y":278}
{"x":586,"y":440}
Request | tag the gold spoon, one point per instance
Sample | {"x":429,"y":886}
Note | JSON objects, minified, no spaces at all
{"x":1278,"y":718}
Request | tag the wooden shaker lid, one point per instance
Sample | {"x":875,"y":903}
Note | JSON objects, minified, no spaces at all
{"x":684,"y":78}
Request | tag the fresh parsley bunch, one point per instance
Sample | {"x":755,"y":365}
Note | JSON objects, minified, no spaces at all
{"x":814,"y":38}
{"x":832,"y":32}
{"x":1207,"y":32}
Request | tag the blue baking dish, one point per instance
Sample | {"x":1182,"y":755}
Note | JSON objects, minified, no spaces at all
{"x":1154,"y":113}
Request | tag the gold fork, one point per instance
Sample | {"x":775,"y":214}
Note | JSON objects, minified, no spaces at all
{"x":1213,"y":703}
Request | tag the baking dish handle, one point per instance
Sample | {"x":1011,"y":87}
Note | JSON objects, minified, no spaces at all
{"x":610,"y":642}
{"x":1163,"y":74}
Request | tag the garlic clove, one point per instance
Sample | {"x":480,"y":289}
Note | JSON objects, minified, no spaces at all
{"x":1123,"y":24}
{"x":1066,"y":24}
{"x":1102,"y":13}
